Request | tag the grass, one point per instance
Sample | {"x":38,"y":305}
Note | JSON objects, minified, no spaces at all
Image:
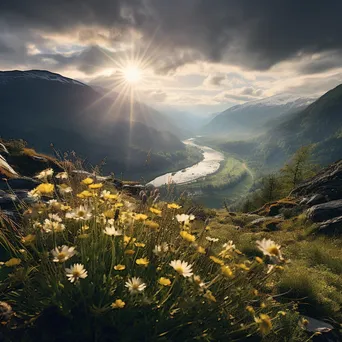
{"x":220,"y":292}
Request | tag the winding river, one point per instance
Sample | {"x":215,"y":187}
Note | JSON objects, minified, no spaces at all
{"x":210,"y":164}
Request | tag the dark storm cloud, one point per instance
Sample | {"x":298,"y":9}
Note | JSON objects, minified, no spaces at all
{"x":256,"y":34}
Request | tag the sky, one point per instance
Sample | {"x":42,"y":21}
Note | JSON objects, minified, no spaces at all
{"x":199,"y":56}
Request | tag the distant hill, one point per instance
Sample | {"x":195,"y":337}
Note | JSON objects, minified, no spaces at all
{"x":42,"y":108}
{"x":319,"y":124}
{"x":252,"y":117}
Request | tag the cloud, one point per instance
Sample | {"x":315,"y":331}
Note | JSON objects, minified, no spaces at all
{"x":255,"y":34}
{"x":214,"y":80}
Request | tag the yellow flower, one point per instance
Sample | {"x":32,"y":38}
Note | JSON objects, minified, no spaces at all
{"x":140,"y":217}
{"x":118,"y":304}
{"x":128,"y":239}
{"x":201,"y":250}
{"x":12,"y":262}
{"x":129,"y":251}
{"x":119,"y":267}
{"x":217,"y":260}
{"x":250,"y":309}
{"x":210,"y":296}
{"x":139,"y":244}
{"x":255,"y":292}
{"x":118,"y":205}
{"x":186,"y":236}
{"x":155,"y":211}
{"x":259,"y":260}
{"x":95,"y":186}
{"x":85,"y":194}
{"x":29,"y":239}
{"x":142,"y":261}
{"x":87,"y":181}
{"x":243,"y":267}
{"x":152,"y":224}
{"x":207,"y":228}
{"x":282,"y":313}
{"x":265,"y":324}
{"x":174,"y":206}
{"x":227,"y":272}
{"x":65,"y":207}
{"x":44,"y":189}
{"x":164,"y":281}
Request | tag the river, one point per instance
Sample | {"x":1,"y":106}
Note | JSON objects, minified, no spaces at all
{"x":210,"y":164}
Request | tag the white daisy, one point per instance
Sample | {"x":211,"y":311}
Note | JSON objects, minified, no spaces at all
{"x":45,"y":174}
{"x":135,"y":285}
{"x":76,"y":272}
{"x":62,"y":175}
{"x":62,"y":254}
{"x":160,"y":249}
{"x":55,"y":217}
{"x":81,"y":213}
{"x":182,"y":267}
{"x":53,"y":226}
{"x":229,"y":245}
{"x":184,"y":219}
{"x":64,"y":189}
{"x":212,"y":239}
{"x":270,"y":248}
{"x":111,"y":231}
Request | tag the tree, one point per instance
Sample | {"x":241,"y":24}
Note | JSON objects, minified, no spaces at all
{"x":270,"y":188}
{"x":299,"y":168}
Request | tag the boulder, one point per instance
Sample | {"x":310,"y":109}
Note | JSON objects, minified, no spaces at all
{"x":19,"y":183}
{"x":316,"y":199}
{"x":333,"y":226}
{"x":328,"y":183}
{"x":325,"y":211}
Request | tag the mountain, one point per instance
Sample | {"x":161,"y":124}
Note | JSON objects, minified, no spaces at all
{"x":319,"y":124}
{"x":251,"y":117}
{"x":42,"y":108}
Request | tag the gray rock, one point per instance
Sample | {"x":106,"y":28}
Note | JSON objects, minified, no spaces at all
{"x":20,"y":183}
{"x":317,"y":199}
{"x":328,"y":182}
{"x":325,"y":211}
{"x":333,"y":226}
{"x":315,"y":325}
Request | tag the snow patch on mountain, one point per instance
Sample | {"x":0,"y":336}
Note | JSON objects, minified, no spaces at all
{"x":7,"y":76}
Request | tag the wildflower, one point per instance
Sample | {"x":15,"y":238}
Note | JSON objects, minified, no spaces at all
{"x":216,"y":260}
{"x":210,"y":296}
{"x":265,"y":324}
{"x":84,"y":228}
{"x":281,"y":313}
{"x":50,"y":226}
{"x":65,"y":207}
{"x":129,"y":251}
{"x":182,"y":267}
{"x":186,"y":236}
{"x":152,"y":224}
{"x":243,"y":267}
{"x":80,"y":213}
{"x":210,"y":239}
{"x":54,"y":204}
{"x":207,"y":228}
{"x":135,"y":285}
{"x":164,"y":281}
{"x":270,"y":248}
{"x":64,"y":189}
{"x":259,"y":260}
{"x":111,"y":231}
{"x":76,"y":272}
{"x":42,"y":189}
{"x":62,"y":254}
{"x":228,"y":246}
{"x":155,"y":211}
{"x":45,"y":174}
{"x":28,"y":239}
{"x":55,"y":217}
{"x":13,"y":262}
{"x":118,"y":304}
{"x":140,"y":217}
{"x":118,"y":205}
{"x":6,"y":312}
{"x":107,"y":195}
{"x":160,"y":249}
{"x":95,"y":186}
{"x":62,"y":175}
{"x":85,"y":194}
{"x":87,"y":181}
{"x":185,"y":219}
{"x":250,"y":309}
{"x":174,"y":206}
{"x":142,"y":261}
{"x":128,"y":239}
{"x":201,"y":250}
{"x":139,"y":244}
{"x":119,"y":267}
{"x":226,"y":271}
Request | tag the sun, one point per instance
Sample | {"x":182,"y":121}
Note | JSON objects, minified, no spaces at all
{"x":132,"y":74}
